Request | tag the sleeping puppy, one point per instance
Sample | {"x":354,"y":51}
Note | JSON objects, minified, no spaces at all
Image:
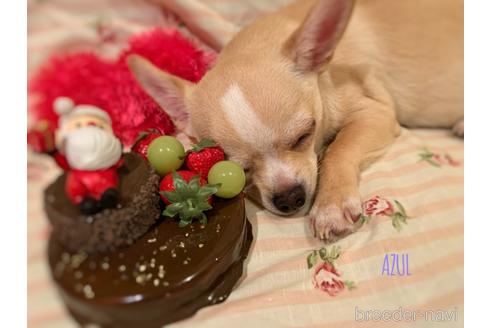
{"x":334,"y":72}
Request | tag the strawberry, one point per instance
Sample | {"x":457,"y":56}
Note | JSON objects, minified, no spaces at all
{"x":187,"y":195}
{"x":167,"y":183}
{"x":143,"y":141}
{"x":201,"y":157}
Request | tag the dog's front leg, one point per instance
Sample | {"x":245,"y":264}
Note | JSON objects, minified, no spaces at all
{"x":365,"y":135}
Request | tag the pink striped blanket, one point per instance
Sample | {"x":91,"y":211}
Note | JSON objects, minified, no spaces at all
{"x":413,"y":211}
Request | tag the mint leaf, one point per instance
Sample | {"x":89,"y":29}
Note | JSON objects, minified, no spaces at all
{"x":183,"y":224}
{"x":172,"y":210}
{"x":203,"y":219}
{"x":172,"y":196}
{"x":178,"y":182}
{"x":194,"y":184}
{"x":189,"y":200}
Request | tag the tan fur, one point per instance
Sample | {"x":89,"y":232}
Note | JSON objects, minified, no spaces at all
{"x":398,"y":62}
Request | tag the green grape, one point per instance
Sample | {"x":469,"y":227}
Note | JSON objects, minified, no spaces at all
{"x":165,"y":154}
{"x":231,"y":177}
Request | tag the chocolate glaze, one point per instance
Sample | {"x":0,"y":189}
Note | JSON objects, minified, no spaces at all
{"x":110,"y":229}
{"x":166,"y":275}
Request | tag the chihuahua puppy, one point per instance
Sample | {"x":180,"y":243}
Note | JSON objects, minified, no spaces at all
{"x":306,"y":97}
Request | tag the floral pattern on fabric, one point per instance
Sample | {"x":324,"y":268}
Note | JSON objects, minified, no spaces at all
{"x":325,"y":276}
{"x":378,"y":206}
{"x":437,"y":159}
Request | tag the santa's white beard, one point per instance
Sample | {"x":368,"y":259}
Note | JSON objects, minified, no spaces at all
{"x":91,"y":148}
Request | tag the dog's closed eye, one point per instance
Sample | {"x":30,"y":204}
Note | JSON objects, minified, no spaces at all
{"x":303,"y":137}
{"x":300,"y":141}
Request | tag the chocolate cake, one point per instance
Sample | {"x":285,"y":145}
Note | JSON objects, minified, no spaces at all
{"x":121,"y":268}
{"x":138,"y":209}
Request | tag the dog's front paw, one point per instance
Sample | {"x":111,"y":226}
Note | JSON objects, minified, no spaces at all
{"x":334,"y":221}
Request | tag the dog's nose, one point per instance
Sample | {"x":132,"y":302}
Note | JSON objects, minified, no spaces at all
{"x":290,"y":200}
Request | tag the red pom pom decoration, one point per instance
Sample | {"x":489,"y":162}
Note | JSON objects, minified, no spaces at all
{"x":88,"y":79}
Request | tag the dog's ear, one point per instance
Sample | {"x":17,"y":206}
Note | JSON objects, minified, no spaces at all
{"x":167,"y":90}
{"x":312,"y":45}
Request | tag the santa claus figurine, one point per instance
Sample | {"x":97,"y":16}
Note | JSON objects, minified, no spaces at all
{"x":93,"y":154}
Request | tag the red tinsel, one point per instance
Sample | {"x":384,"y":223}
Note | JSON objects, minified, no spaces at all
{"x":88,"y":79}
